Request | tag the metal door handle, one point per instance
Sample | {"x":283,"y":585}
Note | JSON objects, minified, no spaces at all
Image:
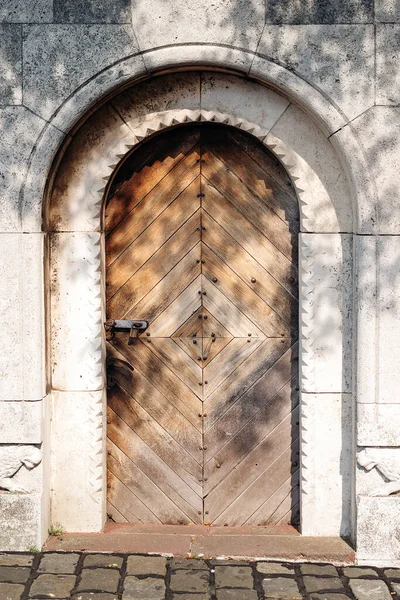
{"x":121,"y":325}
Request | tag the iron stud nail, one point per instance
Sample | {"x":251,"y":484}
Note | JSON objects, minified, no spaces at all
{"x":205,"y":478}
{"x":109,"y":485}
{"x":199,"y":358}
{"x":248,"y":341}
{"x":148,"y":341}
{"x":148,"y":333}
{"x":198,"y":261}
{"x":200,"y":384}
{"x":204,"y":293}
{"x":213,"y":335}
{"x":206,"y":382}
{"x":207,"y":512}
{"x":253,"y":280}
{"x":217,"y":466}
{"x":249,"y":334}
{"x":194,"y":341}
{"x":203,"y":228}
{"x":205,"y":317}
{"x":200,"y":415}
{"x":214,"y":279}
{"x":203,"y":262}
{"x":205,"y":448}
{"x":199,"y":292}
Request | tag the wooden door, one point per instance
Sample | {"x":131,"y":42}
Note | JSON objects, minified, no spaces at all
{"x":201,"y":241}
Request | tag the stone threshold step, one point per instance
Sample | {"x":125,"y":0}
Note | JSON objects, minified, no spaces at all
{"x":274,"y":543}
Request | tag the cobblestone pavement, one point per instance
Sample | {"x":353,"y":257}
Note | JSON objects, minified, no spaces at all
{"x":81,"y":576}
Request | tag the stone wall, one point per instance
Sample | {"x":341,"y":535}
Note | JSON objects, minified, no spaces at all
{"x":333,"y":61}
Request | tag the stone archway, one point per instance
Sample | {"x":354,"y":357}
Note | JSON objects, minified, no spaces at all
{"x":77,"y":308}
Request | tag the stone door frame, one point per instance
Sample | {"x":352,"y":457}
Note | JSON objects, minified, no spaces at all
{"x":326,"y":318}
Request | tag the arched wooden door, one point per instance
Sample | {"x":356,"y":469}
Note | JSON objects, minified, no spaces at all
{"x":201,"y":242}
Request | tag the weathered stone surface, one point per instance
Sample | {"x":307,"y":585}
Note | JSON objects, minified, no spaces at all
{"x":21,"y":528}
{"x":315,"y":584}
{"x":10,"y":591}
{"x":52,"y":586}
{"x":58,"y":563}
{"x":376,"y":542}
{"x":59,"y":58}
{"x":233,"y":577}
{"x":323,"y":11}
{"x":103,"y":560}
{"x":379,"y":133}
{"x":319,"y":178}
{"x":387,"y":65}
{"x":185,"y":563}
{"x":387,"y":11}
{"x":11,"y":60}
{"x":392,"y":573}
{"x":21,"y":11}
{"x":364,"y":589}
{"x":198,"y":55}
{"x":322,"y":570}
{"x":282,"y":588}
{"x":238,"y":594}
{"x":143,"y":589}
{"x":377,"y":423}
{"x":274,"y":568}
{"x":92,"y":11}
{"x":328,"y":596}
{"x":395,"y":587}
{"x":316,"y":53}
{"x":95,"y":596}
{"x":78,"y":496}
{"x":20,"y":129}
{"x":16,"y":560}
{"x":237,"y":23}
{"x":326,"y":468}
{"x":146,"y":565}
{"x":21,"y":422}
{"x":241,"y":98}
{"x":189,"y":581}
{"x":102,"y":580}
{"x":354,"y":572}
{"x":14,"y":574}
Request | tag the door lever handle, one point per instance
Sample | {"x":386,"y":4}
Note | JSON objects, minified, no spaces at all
{"x":122,"y":325}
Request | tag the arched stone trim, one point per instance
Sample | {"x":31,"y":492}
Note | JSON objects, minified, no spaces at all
{"x":77,"y":305}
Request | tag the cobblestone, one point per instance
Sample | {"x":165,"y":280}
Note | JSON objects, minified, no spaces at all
{"x":84,"y":576}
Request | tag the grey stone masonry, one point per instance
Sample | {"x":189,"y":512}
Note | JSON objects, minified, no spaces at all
{"x":84,"y":576}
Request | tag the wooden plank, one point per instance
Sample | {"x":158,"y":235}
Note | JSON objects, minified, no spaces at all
{"x":277,"y":509}
{"x":271,"y":382}
{"x":252,"y":240}
{"x":160,"y":409}
{"x":244,"y":265}
{"x":192,"y":346}
{"x":242,"y":379}
{"x":246,"y":437}
{"x":242,"y":296}
{"x":127,"y":502}
{"x":162,"y":261}
{"x":162,"y":378}
{"x":254,"y":209}
{"x":233,"y":355}
{"x":165,"y":192}
{"x":230,"y":317}
{"x":137,"y":482}
{"x":185,"y":273}
{"x":178,"y":361}
{"x":192,"y":327}
{"x":150,"y":240}
{"x":237,"y":481}
{"x":159,"y":436}
{"x":212,"y":327}
{"x":187,"y":303}
{"x":147,"y":166}
{"x":114,"y":514}
{"x":261,"y":172}
{"x":155,"y":469}
{"x":212,"y":347}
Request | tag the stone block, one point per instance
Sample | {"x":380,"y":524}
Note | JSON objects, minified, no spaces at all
{"x":327,"y":468}
{"x":58,"y":563}
{"x":52,"y":586}
{"x":143,"y":589}
{"x":315,"y":584}
{"x":231,"y":22}
{"x":92,"y":11}
{"x":318,"y":176}
{"x":22,"y":365}
{"x":281,"y":587}
{"x":20,"y":130}
{"x":378,"y":521}
{"x":337,"y":59}
{"x":223,"y":594}
{"x":326,"y":312}
{"x":103,"y":560}
{"x":146,"y":565}
{"x":378,"y":424}
{"x":21,"y":11}
{"x":21,"y":422}
{"x":60,"y":58}
{"x":364,"y":589}
{"x":379,"y":133}
{"x":11,"y":591}
{"x":357,"y":572}
{"x":233,"y":577}
{"x":320,"y":570}
{"x":274,"y":568}
{"x":242,"y":98}
{"x":77,"y":314}
{"x":321,"y":12}
{"x":387,"y":65}
{"x":20,"y":521}
{"x":78,"y":460}
{"x":11,"y":64}
{"x":102,"y":580}
{"x":168,"y":92}
{"x":14,"y":574}
{"x":16,"y":560}
{"x":189,"y":581}
{"x":387,"y":11}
